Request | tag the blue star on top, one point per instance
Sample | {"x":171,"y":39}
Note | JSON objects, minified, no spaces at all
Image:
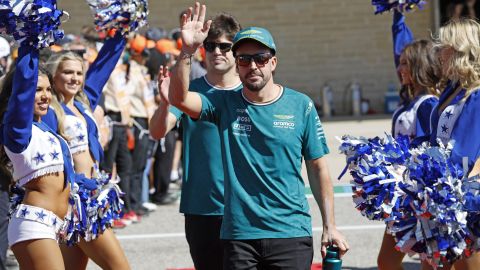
{"x":444,"y":129}
{"x":39,"y":158}
{"x":78,"y":125}
{"x":52,"y":140}
{"x":81,"y":138}
{"x":448,"y":114}
{"x":41,"y":215}
{"x":54,"y":221}
{"x":24,"y":212}
{"x":400,"y":121}
{"x":54,"y":155}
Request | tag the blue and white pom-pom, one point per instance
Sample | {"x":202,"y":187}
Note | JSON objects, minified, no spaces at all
{"x":94,"y":205}
{"x":471,"y":202}
{"x":377,"y":168}
{"x":31,"y":22}
{"x":402,"y":5}
{"x":124,"y":15}
{"x":439,"y":231}
{"x":16,"y":198}
{"x":429,"y":208}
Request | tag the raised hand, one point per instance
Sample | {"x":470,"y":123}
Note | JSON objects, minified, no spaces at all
{"x":163,"y":84}
{"x":194,"y":29}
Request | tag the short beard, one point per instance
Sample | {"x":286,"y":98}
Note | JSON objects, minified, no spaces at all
{"x":256,"y":87}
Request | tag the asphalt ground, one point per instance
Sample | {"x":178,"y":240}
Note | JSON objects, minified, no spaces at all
{"x":158,"y":241}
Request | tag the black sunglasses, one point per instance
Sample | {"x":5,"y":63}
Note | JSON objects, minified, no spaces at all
{"x":223,"y":46}
{"x":79,"y":52}
{"x":261,"y":59}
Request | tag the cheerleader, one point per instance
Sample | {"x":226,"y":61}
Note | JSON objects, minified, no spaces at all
{"x":41,"y":164}
{"x":98,"y":241}
{"x":417,"y":70}
{"x":455,"y":119}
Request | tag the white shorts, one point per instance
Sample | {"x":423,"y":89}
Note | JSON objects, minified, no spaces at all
{"x":30,"y":222}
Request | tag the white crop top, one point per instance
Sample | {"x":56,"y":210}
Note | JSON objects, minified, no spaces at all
{"x":76,"y":132}
{"x":42,"y":156}
{"x":406,"y":123}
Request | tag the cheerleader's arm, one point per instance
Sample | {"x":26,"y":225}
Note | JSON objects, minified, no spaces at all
{"x":401,"y":34}
{"x":466,"y":132}
{"x":100,"y":70}
{"x":18,"y":118}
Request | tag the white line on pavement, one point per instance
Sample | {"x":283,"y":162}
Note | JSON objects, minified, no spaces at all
{"x":176,"y":235}
{"x":336,"y":195}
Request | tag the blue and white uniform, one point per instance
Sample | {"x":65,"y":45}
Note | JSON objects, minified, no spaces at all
{"x":412,"y":118}
{"x":458,"y":123}
{"x":97,"y":203}
{"x":34,"y":150}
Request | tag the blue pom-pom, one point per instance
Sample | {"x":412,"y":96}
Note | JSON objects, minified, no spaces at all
{"x":93,"y":210}
{"x":18,"y":193}
{"x":402,"y":5}
{"x":31,"y":22}
{"x":123,"y":15}
{"x":376,"y":175}
{"x":431,"y":209}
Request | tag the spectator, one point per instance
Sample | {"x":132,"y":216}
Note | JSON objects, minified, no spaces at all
{"x":202,"y":199}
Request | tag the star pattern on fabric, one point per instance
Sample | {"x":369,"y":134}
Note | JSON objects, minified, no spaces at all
{"x":24,"y":212}
{"x":448,"y":114}
{"x":39,"y":158}
{"x":444,"y":129}
{"x":54,"y":221}
{"x":41,"y":215}
{"x":400,"y":121}
{"x":54,"y":155}
{"x":52,"y":140}
{"x":81,"y":138}
{"x":78,"y":125}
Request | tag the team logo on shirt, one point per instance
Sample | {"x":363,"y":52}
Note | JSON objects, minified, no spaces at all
{"x":309,"y":108}
{"x":283,"y":124}
{"x":242,"y":126}
{"x":284,"y":121}
{"x":283,"y":117}
{"x":320,"y":132}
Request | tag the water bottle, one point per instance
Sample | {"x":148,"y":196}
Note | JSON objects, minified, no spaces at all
{"x":356,"y":98}
{"x":327,"y":100}
{"x":332,"y":260}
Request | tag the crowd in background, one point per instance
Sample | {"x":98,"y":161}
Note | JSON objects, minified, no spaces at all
{"x":145,"y":166}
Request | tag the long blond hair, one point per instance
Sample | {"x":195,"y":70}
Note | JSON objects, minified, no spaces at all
{"x":463,"y":35}
{"x":54,"y":63}
{"x":423,"y":64}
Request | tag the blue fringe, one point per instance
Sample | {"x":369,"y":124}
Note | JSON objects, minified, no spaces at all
{"x":92,"y":210}
{"x":124,"y":15}
{"x":405,"y":5}
{"x":31,"y":22}
{"x":429,"y":205}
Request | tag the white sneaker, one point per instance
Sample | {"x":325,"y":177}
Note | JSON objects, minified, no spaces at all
{"x":150,"y":206}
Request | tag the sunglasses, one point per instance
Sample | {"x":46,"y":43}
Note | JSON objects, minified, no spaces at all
{"x":223,"y":46}
{"x":261,"y":59}
{"x":79,"y":52}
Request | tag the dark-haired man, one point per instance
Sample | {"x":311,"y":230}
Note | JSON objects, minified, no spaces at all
{"x":202,"y":188}
{"x":265,"y":130}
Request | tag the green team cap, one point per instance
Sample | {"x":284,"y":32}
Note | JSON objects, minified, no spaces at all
{"x":255,"y":33}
